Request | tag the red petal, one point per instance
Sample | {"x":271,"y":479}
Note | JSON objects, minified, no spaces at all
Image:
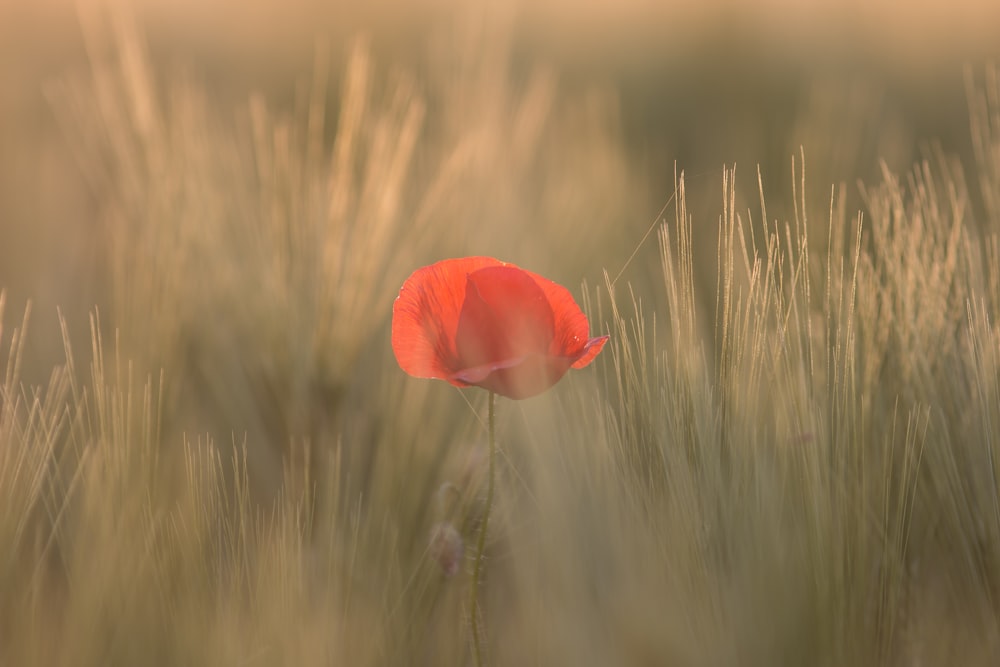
{"x":425,"y":317}
{"x":519,"y":378}
{"x":591,"y":350}
{"x":505,"y":317}
{"x":572,"y":330}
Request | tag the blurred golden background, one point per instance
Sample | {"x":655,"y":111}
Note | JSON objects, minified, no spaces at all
{"x":161,"y":162}
{"x":701,"y":84}
{"x":217,"y":461}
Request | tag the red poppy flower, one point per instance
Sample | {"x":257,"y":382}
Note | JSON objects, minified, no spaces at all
{"x":479,"y":321}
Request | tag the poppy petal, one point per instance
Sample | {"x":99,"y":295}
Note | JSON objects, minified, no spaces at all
{"x":572,"y":330}
{"x":521,"y":378}
{"x":425,"y":317}
{"x":505,"y":316}
{"x":591,"y":350}
{"x":478,"y":374}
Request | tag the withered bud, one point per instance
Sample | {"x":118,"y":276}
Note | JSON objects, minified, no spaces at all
{"x":446,"y":547}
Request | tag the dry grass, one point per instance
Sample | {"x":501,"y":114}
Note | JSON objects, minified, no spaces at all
{"x":800,"y":469}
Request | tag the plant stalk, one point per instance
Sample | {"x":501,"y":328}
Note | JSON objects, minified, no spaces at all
{"x":481,"y":546}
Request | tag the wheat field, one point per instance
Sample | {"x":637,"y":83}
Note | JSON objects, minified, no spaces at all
{"x":786,"y":455}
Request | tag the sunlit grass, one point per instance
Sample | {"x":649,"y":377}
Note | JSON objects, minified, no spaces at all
{"x":230,"y":470}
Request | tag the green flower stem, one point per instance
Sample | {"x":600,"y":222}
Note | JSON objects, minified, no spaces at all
{"x":481,"y":546}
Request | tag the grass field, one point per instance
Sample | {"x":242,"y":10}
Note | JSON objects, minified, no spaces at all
{"x":788,"y":453}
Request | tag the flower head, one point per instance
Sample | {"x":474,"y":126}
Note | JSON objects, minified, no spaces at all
{"x":477,"y":321}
